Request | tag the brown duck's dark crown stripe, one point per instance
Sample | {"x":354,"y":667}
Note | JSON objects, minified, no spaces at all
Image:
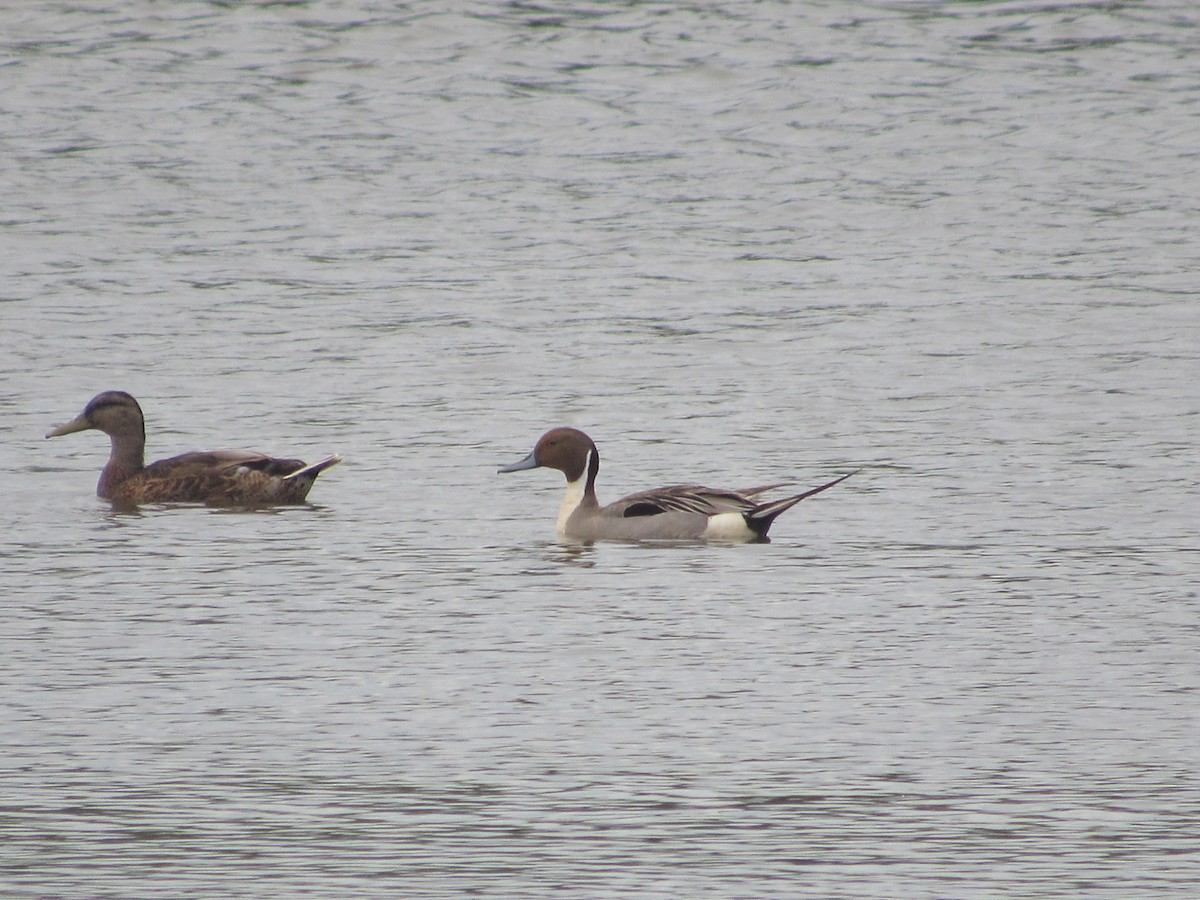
{"x":110,"y":399}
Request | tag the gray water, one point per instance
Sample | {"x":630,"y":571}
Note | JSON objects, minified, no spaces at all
{"x":736,"y":242}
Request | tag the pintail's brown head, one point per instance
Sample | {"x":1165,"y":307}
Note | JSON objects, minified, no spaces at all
{"x":567,"y":449}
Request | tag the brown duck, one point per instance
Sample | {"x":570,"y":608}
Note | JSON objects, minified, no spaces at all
{"x":218,"y":478}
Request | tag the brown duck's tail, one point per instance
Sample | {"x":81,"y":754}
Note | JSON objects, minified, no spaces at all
{"x":312,"y":471}
{"x":760,"y":518}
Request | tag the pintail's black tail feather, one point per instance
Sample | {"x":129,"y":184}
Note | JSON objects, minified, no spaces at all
{"x":760,"y":518}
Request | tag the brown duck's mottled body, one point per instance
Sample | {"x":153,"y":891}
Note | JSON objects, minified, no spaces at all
{"x":219,"y":478}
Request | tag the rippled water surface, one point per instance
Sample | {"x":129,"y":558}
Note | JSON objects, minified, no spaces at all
{"x":953,"y":244}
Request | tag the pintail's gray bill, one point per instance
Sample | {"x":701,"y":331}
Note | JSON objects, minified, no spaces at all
{"x":528,"y":462}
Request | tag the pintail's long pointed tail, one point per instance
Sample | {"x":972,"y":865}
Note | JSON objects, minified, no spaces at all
{"x":312,"y":471}
{"x":761,"y":517}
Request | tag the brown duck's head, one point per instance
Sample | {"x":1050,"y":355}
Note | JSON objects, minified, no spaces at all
{"x":567,"y":449}
{"x":115,"y":413}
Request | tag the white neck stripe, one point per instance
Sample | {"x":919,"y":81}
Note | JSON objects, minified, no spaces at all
{"x":574,"y":495}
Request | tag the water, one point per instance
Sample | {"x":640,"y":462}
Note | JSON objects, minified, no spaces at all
{"x":735,"y":242}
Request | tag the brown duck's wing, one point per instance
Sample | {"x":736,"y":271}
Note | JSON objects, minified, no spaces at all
{"x":687,"y":498}
{"x":224,"y":461}
{"x":218,"y":477}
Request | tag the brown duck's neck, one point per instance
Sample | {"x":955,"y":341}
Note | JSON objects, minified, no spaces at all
{"x":128,"y":457}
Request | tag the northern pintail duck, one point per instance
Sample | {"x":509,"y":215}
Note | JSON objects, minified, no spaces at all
{"x":678,"y":512}
{"x":219,"y":478}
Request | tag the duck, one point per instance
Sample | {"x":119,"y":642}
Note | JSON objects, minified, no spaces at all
{"x":217,"y":478}
{"x":676,"y":512}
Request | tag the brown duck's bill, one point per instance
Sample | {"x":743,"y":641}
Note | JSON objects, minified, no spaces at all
{"x":77,"y":424}
{"x":529,"y":462}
